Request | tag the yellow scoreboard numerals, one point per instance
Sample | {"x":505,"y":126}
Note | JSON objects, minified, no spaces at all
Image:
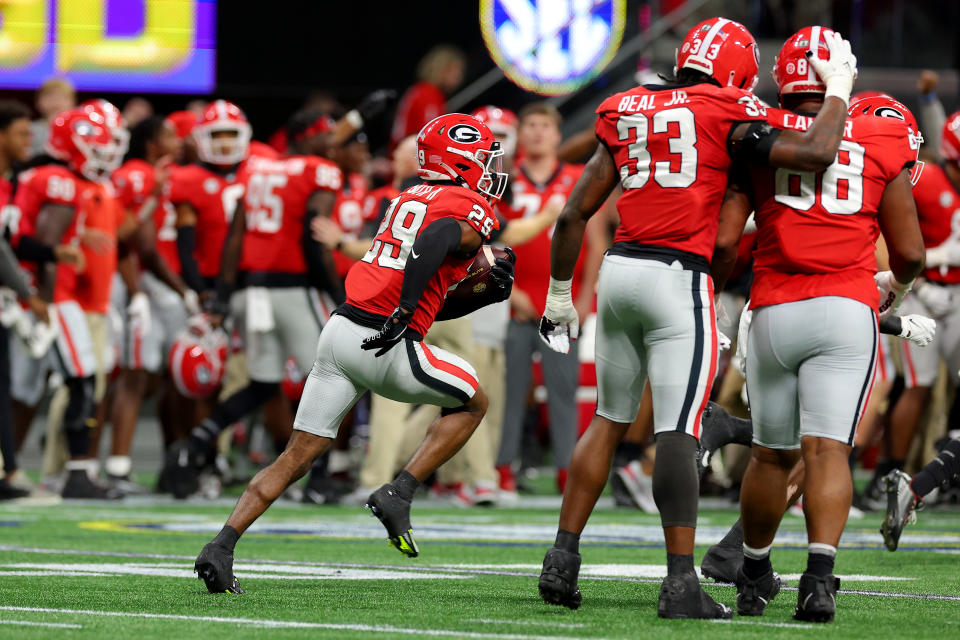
{"x":23,"y":34}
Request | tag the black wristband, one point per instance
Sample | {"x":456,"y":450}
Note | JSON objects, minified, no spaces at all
{"x":891,"y":325}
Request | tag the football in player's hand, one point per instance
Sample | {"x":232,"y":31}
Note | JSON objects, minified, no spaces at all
{"x":478,"y":280}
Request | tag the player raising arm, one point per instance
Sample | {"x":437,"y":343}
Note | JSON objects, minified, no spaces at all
{"x":423,"y":248}
{"x":671,"y":147}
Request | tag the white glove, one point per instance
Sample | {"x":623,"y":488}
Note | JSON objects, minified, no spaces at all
{"x":946,"y":255}
{"x":839,"y":72}
{"x":743,"y":332}
{"x":892,"y":292}
{"x":192,"y":302}
{"x":938,"y":300}
{"x":723,"y":341}
{"x":138,"y":312}
{"x":560,"y":322}
{"x":39,"y":336}
{"x":920,"y":330}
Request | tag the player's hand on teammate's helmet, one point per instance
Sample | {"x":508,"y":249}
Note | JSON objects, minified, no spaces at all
{"x":892,"y":292}
{"x":560,"y":322}
{"x":501,"y":274}
{"x":918,"y":329}
{"x":391,"y":333}
{"x":376,"y":103}
{"x":840,"y":70}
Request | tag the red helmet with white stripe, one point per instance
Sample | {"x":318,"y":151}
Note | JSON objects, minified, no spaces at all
{"x":950,"y":138}
{"x":222,"y":134}
{"x":724,"y":50}
{"x":503,"y":123}
{"x":197,"y":359}
{"x":460,"y":148}
{"x":883,"y":106}
{"x":792,"y":71}
{"x":84,"y":142}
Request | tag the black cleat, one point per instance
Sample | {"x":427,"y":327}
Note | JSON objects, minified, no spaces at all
{"x":753,"y":596}
{"x":817,"y":598}
{"x":902,"y":507}
{"x":214,"y":566}
{"x":682,"y":597}
{"x":10,"y":492}
{"x":79,"y":486}
{"x":722,"y":562}
{"x":717,"y":429}
{"x":558,"y":580}
{"x":394,"y":512}
{"x":181,"y":470}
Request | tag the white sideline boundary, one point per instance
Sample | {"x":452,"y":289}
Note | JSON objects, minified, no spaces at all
{"x":32,"y":623}
{"x":293,"y":624}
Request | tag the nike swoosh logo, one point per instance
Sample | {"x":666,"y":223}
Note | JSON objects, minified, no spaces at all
{"x":415,"y":256}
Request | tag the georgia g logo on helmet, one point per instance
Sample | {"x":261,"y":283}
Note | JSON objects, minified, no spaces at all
{"x":889,"y":112}
{"x":464,"y":134}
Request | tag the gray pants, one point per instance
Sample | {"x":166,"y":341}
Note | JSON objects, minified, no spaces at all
{"x":810,"y":367}
{"x":561,"y":374}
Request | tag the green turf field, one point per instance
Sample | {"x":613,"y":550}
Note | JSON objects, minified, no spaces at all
{"x":125,"y":571}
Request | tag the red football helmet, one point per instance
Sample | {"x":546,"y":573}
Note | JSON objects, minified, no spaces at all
{"x":85,"y":143}
{"x":459,"y":147}
{"x":503,"y":123}
{"x":950,"y":138}
{"x":215,"y":144}
{"x":884,"y":106}
{"x":792,"y":71}
{"x":722,"y":49}
{"x":861,"y":95}
{"x":197,"y":359}
{"x":183,"y":122}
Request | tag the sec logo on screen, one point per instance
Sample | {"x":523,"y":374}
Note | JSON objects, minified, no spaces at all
{"x":552,"y":47}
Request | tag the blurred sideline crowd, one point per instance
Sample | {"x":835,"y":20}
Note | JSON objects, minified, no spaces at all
{"x":139,"y":280}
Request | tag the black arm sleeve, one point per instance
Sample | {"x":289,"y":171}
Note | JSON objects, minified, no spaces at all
{"x":440,"y":239}
{"x":186,"y":242}
{"x":32,"y":250}
{"x":891,"y":325}
{"x":459,"y":307}
{"x":319,"y":262}
{"x":755,"y":145}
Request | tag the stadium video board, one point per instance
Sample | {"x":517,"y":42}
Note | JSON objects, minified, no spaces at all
{"x":166,"y":46}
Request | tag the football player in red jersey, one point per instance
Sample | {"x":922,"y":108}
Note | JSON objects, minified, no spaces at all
{"x":140,"y":186}
{"x":348,"y":211}
{"x":423,"y":248}
{"x":670,"y":147}
{"x":206,"y":194}
{"x":285,"y":267}
{"x":812,"y":348}
{"x":539,"y":180}
{"x":71,"y":201}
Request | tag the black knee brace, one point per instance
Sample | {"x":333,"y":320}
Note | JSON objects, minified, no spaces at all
{"x":78,"y":415}
{"x":676,"y":485}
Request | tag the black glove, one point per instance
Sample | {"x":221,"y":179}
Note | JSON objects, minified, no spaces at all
{"x":391,"y":333}
{"x":218,"y":301}
{"x":501,"y":275}
{"x":374,"y":104}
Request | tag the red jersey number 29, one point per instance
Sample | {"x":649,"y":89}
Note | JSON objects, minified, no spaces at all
{"x":391,"y":250}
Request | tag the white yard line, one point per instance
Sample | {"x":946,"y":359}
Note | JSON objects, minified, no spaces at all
{"x":31,"y":623}
{"x":292,"y":624}
{"x":531,"y":623}
{"x":779,"y":625}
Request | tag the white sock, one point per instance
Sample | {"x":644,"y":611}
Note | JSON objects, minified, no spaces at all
{"x":119,"y":465}
{"x":818,"y":547}
{"x":756,"y":554}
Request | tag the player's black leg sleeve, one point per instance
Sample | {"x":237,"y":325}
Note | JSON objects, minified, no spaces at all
{"x":8,"y":443}
{"x":236,"y":407}
{"x":76,"y":417}
{"x":676,"y":485}
{"x":938,"y":471}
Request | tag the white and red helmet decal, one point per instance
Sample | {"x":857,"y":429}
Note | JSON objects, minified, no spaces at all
{"x":221,"y":116}
{"x":724,"y":50}
{"x":460,"y":148}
